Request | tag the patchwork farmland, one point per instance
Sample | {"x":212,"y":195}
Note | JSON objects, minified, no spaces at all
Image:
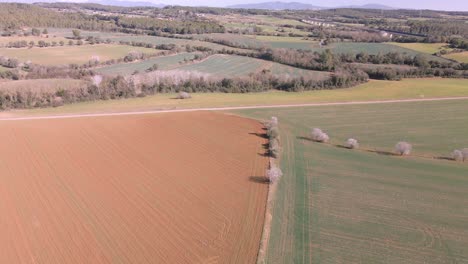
{"x":171,"y":182}
{"x":137,"y":134}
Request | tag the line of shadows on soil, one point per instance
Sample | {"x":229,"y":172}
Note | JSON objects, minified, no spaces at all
{"x":259,"y":179}
{"x":375,"y":151}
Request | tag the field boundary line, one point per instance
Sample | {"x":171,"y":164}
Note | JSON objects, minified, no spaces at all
{"x":264,"y":241}
{"x":160,"y":111}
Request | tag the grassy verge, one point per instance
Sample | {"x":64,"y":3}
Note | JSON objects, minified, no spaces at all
{"x":374,"y":90}
{"x":335,"y":205}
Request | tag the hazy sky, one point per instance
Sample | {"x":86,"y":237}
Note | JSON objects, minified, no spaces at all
{"x":458,"y":5}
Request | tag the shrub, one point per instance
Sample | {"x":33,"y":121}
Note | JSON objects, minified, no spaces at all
{"x":352,"y":143}
{"x":457,"y":155}
{"x":273,"y":132}
{"x":465,"y":154}
{"x":57,"y":101}
{"x":273,"y":174}
{"x":318,"y":135}
{"x":274,"y":148}
{"x":184,"y":95}
{"x":403,"y":148}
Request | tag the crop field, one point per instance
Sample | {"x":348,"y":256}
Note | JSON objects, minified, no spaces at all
{"x":71,"y":54}
{"x":372,"y":48}
{"x":225,"y":65}
{"x":335,"y":205}
{"x":429,"y":48}
{"x":460,"y":57}
{"x":164,"y":63}
{"x":285,"y":70}
{"x":116,"y":37}
{"x":6,"y":40}
{"x":166,"y":188}
{"x":373,"y":90}
{"x":279,"y":21}
{"x":39,"y":85}
{"x":230,"y":65}
{"x":287,"y":42}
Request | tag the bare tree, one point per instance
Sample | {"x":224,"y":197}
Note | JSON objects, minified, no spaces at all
{"x":273,"y":174}
{"x":272,"y":122}
{"x":457,"y":155}
{"x":403,"y":148}
{"x":319,"y":136}
{"x":352,"y":143}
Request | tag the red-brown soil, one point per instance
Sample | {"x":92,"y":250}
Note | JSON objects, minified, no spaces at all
{"x":164,"y":188}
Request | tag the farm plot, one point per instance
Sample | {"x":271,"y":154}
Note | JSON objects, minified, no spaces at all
{"x":287,"y":42}
{"x":71,"y":54}
{"x":40,"y":85}
{"x":460,"y":57}
{"x":165,"y":188}
{"x":229,"y":65}
{"x":284,"y":70}
{"x":225,"y":65}
{"x":372,"y":48}
{"x":164,"y":63}
{"x":429,"y":48}
{"x":335,"y":205}
{"x":5,"y":40}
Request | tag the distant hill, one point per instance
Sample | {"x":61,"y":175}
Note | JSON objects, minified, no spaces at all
{"x":370,"y":6}
{"x":303,"y":6}
{"x":124,"y":3}
{"x":278,"y":6}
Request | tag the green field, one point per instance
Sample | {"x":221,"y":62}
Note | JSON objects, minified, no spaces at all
{"x":286,"y":42}
{"x":374,"y":90}
{"x":372,"y":48}
{"x":460,"y":57}
{"x":4,"y":69}
{"x":164,"y":63}
{"x":40,"y":85}
{"x":335,"y":205}
{"x":262,"y":41}
{"x":71,"y":54}
{"x":429,"y":48}
{"x":36,"y":39}
{"x":230,"y":65}
{"x":225,"y":65}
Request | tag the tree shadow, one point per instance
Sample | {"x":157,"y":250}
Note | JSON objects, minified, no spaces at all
{"x":381,"y":152}
{"x":259,"y":179}
{"x":304,"y":138}
{"x":341,"y":146}
{"x":444,"y":158}
{"x":261,"y":135}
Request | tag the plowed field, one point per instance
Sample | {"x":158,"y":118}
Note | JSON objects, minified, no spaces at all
{"x":165,"y":188}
